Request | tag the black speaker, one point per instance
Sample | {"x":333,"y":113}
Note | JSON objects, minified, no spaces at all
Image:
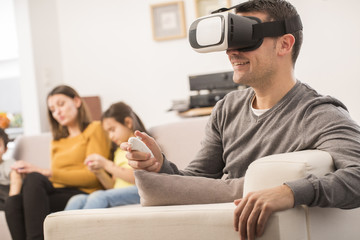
{"x":222,"y":80}
{"x":207,"y":100}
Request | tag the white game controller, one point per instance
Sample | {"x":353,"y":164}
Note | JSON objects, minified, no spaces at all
{"x":138,"y":145}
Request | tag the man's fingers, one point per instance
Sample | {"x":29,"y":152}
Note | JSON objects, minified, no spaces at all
{"x":143,"y":137}
{"x":139,"y":160}
{"x":124,"y":146}
{"x":237,"y":214}
{"x":237,"y":201}
{"x":263,"y":218}
{"x":152,"y":167}
{"x":252,"y":223}
{"x":243,"y":220}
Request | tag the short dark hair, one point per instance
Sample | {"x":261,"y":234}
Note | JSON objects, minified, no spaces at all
{"x":276,"y":10}
{"x":4,"y":137}
{"x":83,"y":116}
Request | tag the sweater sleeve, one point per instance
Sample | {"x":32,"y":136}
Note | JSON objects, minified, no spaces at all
{"x":98,"y":141}
{"x":208,"y":161}
{"x":68,"y":167}
{"x":330,"y":128}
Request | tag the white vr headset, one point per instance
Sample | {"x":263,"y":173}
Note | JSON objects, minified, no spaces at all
{"x":225,"y":31}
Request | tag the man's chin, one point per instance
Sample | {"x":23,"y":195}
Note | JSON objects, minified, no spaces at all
{"x":238,"y":78}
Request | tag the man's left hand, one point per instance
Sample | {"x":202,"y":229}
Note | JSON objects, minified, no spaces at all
{"x":253,"y":211}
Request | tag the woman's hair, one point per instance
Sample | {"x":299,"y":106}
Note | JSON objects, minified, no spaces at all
{"x":83,"y":116}
{"x":277,"y":10}
{"x":119,"y":111}
{"x":4,"y":137}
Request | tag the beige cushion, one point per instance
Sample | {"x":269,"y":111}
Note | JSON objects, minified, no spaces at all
{"x":276,"y":169}
{"x":163,"y":189}
{"x":34,"y":149}
{"x":180,"y":141}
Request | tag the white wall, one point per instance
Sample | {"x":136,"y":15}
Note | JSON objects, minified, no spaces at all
{"x":39,"y":58}
{"x":330,"y":57}
{"x":9,"y":69}
{"x":106,"y":48}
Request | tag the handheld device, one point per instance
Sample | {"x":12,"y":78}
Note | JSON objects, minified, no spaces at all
{"x":138,"y":145}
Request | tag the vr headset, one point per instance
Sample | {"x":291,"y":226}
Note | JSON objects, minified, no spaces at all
{"x":225,"y":31}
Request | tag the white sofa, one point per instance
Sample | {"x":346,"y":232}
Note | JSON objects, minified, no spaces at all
{"x":34,"y":149}
{"x":210,"y":221}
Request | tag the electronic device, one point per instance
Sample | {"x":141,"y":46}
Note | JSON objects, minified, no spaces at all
{"x":225,"y":30}
{"x":138,"y":145}
{"x":221,"y":80}
{"x":207,"y":100}
{"x":208,"y":89}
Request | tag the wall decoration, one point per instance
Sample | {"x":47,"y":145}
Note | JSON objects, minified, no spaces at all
{"x":205,"y":7}
{"x":168,"y":20}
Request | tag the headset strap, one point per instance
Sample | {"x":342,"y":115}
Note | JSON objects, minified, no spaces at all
{"x":277,"y":28}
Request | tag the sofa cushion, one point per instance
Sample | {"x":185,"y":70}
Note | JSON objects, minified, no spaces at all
{"x":157,"y":189}
{"x":303,"y":163}
{"x":180,"y":140}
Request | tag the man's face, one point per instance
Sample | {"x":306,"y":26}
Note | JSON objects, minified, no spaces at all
{"x":254,"y":68}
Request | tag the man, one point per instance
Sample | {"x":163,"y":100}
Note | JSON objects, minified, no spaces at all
{"x":277,"y":114}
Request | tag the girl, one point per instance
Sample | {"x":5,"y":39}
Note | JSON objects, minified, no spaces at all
{"x":120,"y":122}
{"x":47,"y":190}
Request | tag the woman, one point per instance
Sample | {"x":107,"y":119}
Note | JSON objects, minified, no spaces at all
{"x":48,"y":190}
{"x":120,"y":121}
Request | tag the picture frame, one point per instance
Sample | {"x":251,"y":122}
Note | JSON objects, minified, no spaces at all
{"x":205,"y":7}
{"x":168,"y":20}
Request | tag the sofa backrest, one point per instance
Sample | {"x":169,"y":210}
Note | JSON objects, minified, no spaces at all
{"x":180,"y":141}
{"x":34,"y":149}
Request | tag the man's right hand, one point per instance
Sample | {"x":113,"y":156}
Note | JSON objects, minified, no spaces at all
{"x":141,"y":160}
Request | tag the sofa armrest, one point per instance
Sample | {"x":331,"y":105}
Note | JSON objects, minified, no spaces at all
{"x":191,"y":222}
{"x":274,"y":170}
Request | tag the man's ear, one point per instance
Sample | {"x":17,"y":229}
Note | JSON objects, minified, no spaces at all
{"x":128,"y":122}
{"x":77,"y":101}
{"x":286,"y":43}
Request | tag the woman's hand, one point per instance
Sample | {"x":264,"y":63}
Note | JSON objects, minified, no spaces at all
{"x":23,"y":167}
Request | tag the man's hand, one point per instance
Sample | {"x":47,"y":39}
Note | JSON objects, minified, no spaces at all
{"x":253,"y":211}
{"x":140,"y":160}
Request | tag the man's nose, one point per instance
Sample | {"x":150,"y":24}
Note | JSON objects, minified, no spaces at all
{"x":232,"y":51}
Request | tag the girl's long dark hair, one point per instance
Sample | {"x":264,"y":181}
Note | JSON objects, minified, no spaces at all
{"x":119,"y":111}
{"x":83,"y":117}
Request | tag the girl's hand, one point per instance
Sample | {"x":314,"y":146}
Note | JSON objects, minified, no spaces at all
{"x":95,"y":162}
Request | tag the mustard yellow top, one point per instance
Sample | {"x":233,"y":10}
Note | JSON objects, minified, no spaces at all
{"x":68,"y":155}
{"x":121,"y":161}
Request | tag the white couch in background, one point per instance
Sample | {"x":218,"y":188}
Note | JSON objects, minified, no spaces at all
{"x":34,"y":149}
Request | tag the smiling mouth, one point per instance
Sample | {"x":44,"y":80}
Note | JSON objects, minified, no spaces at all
{"x":241,"y":63}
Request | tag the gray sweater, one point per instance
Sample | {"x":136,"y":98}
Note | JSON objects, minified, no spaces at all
{"x":302,"y":119}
